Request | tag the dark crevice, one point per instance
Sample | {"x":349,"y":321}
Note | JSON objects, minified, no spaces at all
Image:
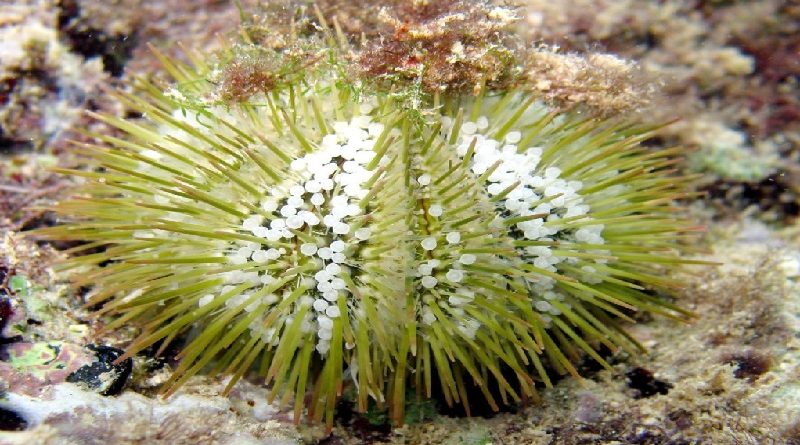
{"x":370,"y":427}
{"x":103,"y":375}
{"x":646,"y":384}
{"x":10,"y":145}
{"x":114,"y":50}
{"x":11,"y":421}
{"x":772,"y":194}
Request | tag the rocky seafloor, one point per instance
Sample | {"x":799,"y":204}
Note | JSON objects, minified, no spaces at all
{"x":727,"y":69}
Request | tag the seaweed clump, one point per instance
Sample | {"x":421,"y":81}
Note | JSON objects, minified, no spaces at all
{"x":443,"y":46}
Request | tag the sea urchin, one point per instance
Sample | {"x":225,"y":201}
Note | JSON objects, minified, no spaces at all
{"x":317,"y":235}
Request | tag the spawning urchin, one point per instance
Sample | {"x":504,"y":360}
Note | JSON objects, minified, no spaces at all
{"x":317,"y":236}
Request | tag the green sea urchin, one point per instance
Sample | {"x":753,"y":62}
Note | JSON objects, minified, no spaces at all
{"x":317,"y":235}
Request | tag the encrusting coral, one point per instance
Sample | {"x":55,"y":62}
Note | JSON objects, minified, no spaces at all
{"x":321,"y":232}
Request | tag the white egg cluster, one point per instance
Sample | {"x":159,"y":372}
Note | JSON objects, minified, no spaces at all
{"x":442,"y":275}
{"x":537,"y":196}
{"x":453,"y":275}
{"x":446,"y":273}
{"x":323,"y":200}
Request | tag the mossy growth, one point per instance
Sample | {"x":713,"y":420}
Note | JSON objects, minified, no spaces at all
{"x":465,"y":247}
{"x":419,"y":410}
